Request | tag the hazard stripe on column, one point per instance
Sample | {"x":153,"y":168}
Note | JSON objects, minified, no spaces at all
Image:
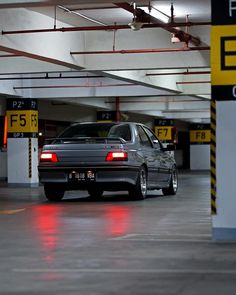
{"x":30,"y":158}
{"x":213,"y":157}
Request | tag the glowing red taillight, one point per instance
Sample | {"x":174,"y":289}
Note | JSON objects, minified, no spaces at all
{"x":117,"y":156}
{"x":48,"y":157}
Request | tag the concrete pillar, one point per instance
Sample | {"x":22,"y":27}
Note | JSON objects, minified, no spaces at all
{"x":3,"y":150}
{"x":224,"y":221}
{"x":22,"y":143}
{"x":223,"y":120}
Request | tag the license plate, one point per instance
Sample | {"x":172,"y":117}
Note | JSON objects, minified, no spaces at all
{"x":82,"y":176}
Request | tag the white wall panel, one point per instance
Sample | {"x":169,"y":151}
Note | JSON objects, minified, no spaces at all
{"x":200,"y":157}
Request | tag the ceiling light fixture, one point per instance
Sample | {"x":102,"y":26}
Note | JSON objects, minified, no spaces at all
{"x":81,"y":15}
{"x":135,"y":25}
{"x":156,"y":13}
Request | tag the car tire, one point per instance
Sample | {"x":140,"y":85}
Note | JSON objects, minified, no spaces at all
{"x":173,"y":184}
{"x":139,"y":190}
{"x":52,"y":193}
{"x":95,"y":193}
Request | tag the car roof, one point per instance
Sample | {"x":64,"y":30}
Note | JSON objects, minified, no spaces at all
{"x":107,"y":123}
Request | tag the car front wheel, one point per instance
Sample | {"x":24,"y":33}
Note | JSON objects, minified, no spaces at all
{"x":139,"y":190}
{"x":53,"y":193}
{"x":173,"y":184}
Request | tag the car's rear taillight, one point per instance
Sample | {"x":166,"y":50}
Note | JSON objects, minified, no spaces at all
{"x":48,"y":157}
{"x":117,"y":156}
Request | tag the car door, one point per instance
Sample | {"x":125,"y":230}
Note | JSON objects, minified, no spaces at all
{"x":162,"y":158}
{"x":149,"y":152}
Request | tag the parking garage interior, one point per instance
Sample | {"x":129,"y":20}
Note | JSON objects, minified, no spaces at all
{"x":166,"y":64}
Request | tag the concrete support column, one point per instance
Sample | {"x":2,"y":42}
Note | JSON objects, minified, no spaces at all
{"x":223,"y":120}
{"x":22,"y":143}
{"x":3,"y":151}
{"x":224,"y":219}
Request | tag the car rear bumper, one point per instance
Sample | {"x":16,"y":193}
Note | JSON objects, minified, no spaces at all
{"x":105,"y":177}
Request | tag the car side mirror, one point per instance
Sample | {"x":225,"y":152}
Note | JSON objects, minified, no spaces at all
{"x":155,"y":141}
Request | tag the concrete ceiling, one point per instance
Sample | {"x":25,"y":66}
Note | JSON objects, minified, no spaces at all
{"x":150,"y":72}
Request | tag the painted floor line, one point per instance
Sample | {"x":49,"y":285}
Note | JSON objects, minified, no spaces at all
{"x":110,"y":270}
{"x":165,"y":240}
{"x":166,"y":237}
{"x":165,"y":234}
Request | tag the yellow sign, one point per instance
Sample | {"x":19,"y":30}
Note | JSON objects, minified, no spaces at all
{"x":200,"y":136}
{"x":223,"y":55}
{"x":164,"y":132}
{"x":22,"y":121}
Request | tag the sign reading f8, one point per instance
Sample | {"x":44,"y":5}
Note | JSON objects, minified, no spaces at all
{"x":223,"y":49}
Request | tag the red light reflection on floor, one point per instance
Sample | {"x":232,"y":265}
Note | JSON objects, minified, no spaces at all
{"x":117,"y":220}
{"x":47,"y":226}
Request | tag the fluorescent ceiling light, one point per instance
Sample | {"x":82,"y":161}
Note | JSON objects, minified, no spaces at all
{"x":157,"y":14}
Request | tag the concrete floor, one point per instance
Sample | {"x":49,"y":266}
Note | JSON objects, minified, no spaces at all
{"x":161,"y":245}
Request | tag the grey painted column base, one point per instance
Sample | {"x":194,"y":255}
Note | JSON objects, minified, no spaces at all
{"x":23,"y":184}
{"x":224,"y":234}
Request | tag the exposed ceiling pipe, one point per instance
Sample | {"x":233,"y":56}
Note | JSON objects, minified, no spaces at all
{"x":55,"y":17}
{"x":154,"y":101}
{"x":187,"y":111}
{"x":179,"y":95}
{"x":118,"y":114}
{"x":50,"y":78}
{"x":38,"y":73}
{"x":179,"y":73}
{"x":172,"y":13}
{"x":104,"y":28}
{"x":144,"y":17}
{"x":98,"y":76}
{"x":194,"y":82}
{"x":9,"y":55}
{"x":129,"y":51}
{"x":94,"y":8}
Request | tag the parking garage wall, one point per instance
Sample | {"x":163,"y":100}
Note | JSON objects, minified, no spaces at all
{"x":200,"y":157}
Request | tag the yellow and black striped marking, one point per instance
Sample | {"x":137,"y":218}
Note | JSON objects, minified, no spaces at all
{"x":213,"y":157}
{"x":30,"y":158}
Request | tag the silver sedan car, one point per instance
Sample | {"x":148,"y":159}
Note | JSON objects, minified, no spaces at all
{"x":100,"y":157}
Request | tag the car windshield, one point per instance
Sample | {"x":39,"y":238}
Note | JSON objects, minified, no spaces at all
{"x":122,"y":131}
{"x":98,"y":130}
